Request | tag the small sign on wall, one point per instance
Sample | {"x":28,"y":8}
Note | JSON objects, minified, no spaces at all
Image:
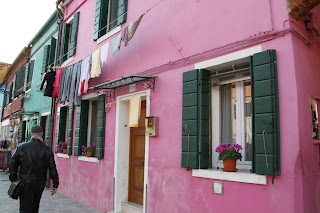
{"x":217,"y":187}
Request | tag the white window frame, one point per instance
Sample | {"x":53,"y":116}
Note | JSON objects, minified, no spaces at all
{"x":240,"y":123}
{"x":90,"y":119}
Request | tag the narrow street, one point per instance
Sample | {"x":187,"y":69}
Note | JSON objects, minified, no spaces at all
{"x":57,"y":203}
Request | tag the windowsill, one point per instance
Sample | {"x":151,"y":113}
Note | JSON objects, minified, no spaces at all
{"x":241,"y":176}
{"x":67,"y":61}
{"x":61,"y":155}
{"x":109,"y":34}
{"x":88,"y":159}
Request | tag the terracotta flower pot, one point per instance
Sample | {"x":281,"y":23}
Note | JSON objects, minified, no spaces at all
{"x":229,"y":165}
{"x":64,"y":151}
{"x":89,"y":154}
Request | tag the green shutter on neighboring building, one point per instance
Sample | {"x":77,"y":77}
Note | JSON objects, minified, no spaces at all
{"x":10,"y":93}
{"x":81,"y":127}
{"x":22,"y":131}
{"x":64,"y":42}
{"x":101,"y":18}
{"x":43,"y":122}
{"x":266,"y":129}
{"x":19,"y":82}
{"x":122,"y":11}
{"x":70,"y":130}
{"x":48,"y":130}
{"x":61,"y":126}
{"x":195,"y":120}
{"x":5,"y":95}
{"x":74,"y":33}
{"x":100,"y":131}
{"x":52,"y":51}
{"x":45,"y":60}
{"x":29,"y":74}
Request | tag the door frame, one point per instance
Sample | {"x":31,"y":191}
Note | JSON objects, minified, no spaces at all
{"x":122,"y":146}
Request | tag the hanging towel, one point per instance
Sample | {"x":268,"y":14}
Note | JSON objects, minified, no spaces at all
{"x":49,"y":79}
{"x":134,"y":111}
{"x":67,"y":84}
{"x":130,"y":30}
{"x":85,"y":75}
{"x":61,"y":86}
{"x":56,"y":83}
{"x":95,"y":68}
{"x":104,"y":54}
{"x":73,"y":96}
{"x":115,"y":43}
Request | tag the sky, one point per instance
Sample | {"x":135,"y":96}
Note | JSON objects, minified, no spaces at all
{"x":20,"y":20}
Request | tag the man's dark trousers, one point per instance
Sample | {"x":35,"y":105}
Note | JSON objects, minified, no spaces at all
{"x":30,"y":197}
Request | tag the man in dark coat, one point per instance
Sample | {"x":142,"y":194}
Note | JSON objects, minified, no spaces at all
{"x":35,"y":153}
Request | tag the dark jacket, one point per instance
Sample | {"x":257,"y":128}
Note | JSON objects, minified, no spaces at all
{"x":50,"y":77}
{"x":25,"y":155}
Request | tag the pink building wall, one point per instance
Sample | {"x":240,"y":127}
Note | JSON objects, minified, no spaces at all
{"x":204,"y":30}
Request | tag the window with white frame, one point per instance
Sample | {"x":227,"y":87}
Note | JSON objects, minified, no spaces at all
{"x":231,"y":111}
{"x":92,"y":121}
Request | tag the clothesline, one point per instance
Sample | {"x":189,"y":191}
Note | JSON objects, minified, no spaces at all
{"x":51,"y":65}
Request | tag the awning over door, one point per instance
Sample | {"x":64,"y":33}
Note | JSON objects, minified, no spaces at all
{"x":126,"y":80}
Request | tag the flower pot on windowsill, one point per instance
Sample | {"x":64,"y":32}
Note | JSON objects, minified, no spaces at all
{"x":64,"y":151}
{"x":229,"y":165}
{"x":89,"y":154}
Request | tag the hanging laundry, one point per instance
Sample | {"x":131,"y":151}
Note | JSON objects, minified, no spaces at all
{"x":73,"y":94}
{"x":95,"y":67}
{"x":85,"y":75}
{"x":130,"y":30}
{"x":67,"y":83}
{"x":61,"y":86}
{"x":115,"y":43}
{"x":56,"y":83}
{"x":104,"y":54}
{"x":134,"y":111}
{"x":49,"y":79}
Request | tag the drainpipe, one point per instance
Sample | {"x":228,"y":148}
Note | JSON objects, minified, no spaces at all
{"x":53,"y":102}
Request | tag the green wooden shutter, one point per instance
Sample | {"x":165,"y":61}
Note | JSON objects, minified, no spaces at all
{"x":22,"y":131}
{"x":4,"y":101}
{"x":45,"y":60}
{"x":122,"y":12}
{"x":43,"y":125}
{"x":74,"y":33}
{"x":10,"y":93}
{"x":61,"y":126}
{"x":19,"y":82}
{"x":195,"y":120}
{"x":100,"y":19}
{"x":52,"y":51}
{"x":29,"y":74}
{"x":100,"y":131}
{"x":48,"y":130}
{"x":265,"y":113}
{"x":64,"y":44}
{"x":70,"y":130}
{"x":81,"y":127}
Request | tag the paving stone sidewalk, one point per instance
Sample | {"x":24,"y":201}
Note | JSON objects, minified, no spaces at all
{"x":49,"y":204}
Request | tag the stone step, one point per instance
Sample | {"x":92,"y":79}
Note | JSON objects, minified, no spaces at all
{"x":129,"y":207}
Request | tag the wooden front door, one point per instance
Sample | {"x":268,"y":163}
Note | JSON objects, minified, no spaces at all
{"x":136,"y":168}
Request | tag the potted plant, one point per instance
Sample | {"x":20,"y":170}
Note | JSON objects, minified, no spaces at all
{"x":89,"y":151}
{"x":229,"y":154}
{"x":62,"y":147}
